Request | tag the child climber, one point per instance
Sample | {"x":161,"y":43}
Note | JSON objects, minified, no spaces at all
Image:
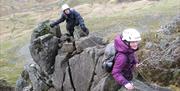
{"x":125,"y":61}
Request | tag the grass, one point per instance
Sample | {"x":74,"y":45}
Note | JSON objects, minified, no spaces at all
{"x":11,"y":64}
{"x":15,"y":33}
{"x":150,"y":16}
{"x":79,"y":2}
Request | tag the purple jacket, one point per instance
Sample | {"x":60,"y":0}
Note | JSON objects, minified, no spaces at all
{"x":124,"y":62}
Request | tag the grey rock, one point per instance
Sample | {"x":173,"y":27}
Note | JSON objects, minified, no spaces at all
{"x":82,"y":69}
{"x":68,"y":47}
{"x":52,"y":89}
{"x":59,"y":73}
{"x":44,"y":28}
{"x":27,"y":88}
{"x":38,"y":81}
{"x":21,"y":84}
{"x":66,"y":38}
{"x":99,"y":72}
{"x":67,"y":85}
{"x":44,"y":52}
{"x":106,"y":83}
{"x":22,"y":81}
{"x":89,"y":41}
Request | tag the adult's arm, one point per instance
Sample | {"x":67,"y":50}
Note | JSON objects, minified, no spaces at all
{"x":61,"y":19}
{"x":79,"y":18}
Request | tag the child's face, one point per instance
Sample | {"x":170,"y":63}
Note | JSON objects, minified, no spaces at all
{"x":134,"y":44}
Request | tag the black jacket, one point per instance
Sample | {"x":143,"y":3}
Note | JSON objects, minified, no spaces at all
{"x":74,"y":18}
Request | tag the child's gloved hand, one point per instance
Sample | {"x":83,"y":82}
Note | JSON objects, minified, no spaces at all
{"x":129,"y":86}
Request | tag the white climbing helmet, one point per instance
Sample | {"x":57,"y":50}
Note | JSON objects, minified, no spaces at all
{"x":131,"y":35}
{"x":65,"y":6}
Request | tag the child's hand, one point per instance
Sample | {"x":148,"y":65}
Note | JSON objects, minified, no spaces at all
{"x":129,"y":86}
{"x":137,"y":65}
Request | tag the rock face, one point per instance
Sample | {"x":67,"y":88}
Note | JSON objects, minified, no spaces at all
{"x":43,"y":52}
{"x":162,"y":64}
{"x":83,"y":68}
{"x":86,"y":42}
{"x":44,"y":45}
{"x":63,"y":64}
{"x":44,"y":28}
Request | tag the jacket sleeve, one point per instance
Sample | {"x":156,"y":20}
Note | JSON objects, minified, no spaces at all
{"x":119,"y":64}
{"x":79,"y":18}
{"x":62,"y":19}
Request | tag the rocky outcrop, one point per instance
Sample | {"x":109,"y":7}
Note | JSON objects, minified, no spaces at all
{"x":44,"y":28}
{"x":64,"y":64}
{"x":161,"y":55}
{"x":71,"y":66}
{"x":90,"y":41}
{"x":43,"y":52}
{"x":44,"y":45}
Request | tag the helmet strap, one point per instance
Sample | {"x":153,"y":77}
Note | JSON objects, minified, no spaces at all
{"x":137,"y":49}
{"x":127,"y":43}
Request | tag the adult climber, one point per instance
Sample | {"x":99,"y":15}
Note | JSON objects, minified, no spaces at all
{"x":73,"y":18}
